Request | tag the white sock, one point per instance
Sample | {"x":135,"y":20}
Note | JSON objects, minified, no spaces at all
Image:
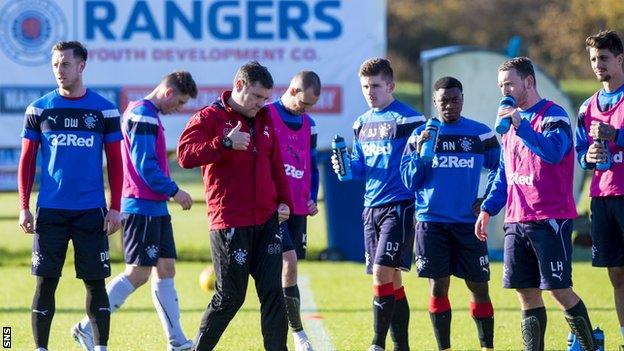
{"x":118,"y":291}
{"x":622,"y":331}
{"x":100,"y":348}
{"x":41,"y":349}
{"x":165,"y":300}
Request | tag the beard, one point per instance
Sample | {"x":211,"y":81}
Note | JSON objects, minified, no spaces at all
{"x":605,"y":78}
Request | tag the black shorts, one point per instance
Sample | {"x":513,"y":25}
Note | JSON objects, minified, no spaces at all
{"x":147,"y":238}
{"x":607,"y":231}
{"x":294,"y":237}
{"x":444,"y":249}
{"x":389,"y":235}
{"x":538,"y":254}
{"x":85,"y":228}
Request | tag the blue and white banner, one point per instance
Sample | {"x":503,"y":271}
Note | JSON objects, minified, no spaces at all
{"x":133,"y":43}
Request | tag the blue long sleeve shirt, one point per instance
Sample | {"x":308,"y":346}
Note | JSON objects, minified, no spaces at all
{"x":463,"y":149}
{"x":380,"y":138}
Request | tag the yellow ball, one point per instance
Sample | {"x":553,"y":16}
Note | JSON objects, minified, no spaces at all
{"x":207,"y":279}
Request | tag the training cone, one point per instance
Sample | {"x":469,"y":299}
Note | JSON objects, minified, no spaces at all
{"x":207,"y":279}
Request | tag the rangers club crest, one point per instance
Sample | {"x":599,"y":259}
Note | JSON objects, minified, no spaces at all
{"x":28,"y":28}
{"x":240,"y":256}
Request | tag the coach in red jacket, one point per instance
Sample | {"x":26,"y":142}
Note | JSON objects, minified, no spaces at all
{"x":246,"y":190}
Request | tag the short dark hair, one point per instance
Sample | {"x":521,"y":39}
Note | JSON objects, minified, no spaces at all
{"x":182,"y":81}
{"x":307,"y":80}
{"x":253,"y":72}
{"x":522,"y":65}
{"x":606,"y":39}
{"x":448,"y":83}
{"x":376,"y":66}
{"x":77,"y":48}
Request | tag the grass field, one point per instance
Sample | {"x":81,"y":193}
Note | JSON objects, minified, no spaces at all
{"x":341,"y":291}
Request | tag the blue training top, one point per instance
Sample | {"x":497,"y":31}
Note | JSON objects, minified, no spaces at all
{"x":447,"y":187}
{"x":380,"y":138}
{"x":72,"y":133}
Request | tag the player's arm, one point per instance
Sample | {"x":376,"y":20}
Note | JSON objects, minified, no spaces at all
{"x":493,"y":203}
{"x":358,"y":167}
{"x":491,"y":155}
{"x":31,"y":135}
{"x":25,"y":180}
{"x":112,"y":148}
{"x":199,"y":143}
{"x":314,"y":171}
{"x":412,"y":167}
{"x":497,"y":196}
{"x":553,"y":142}
{"x":582,"y":139}
{"x":279,"y":177}
{"x":112,"y":221}
{"x":142,"y":139}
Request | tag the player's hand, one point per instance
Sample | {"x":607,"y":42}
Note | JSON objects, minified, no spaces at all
{"x":602,"y":131}
{"x":112,"y":222}
{"x":476,"y":206}
{"x":510,"y":112}
{"x":421,"y":138}
{"x":335,"y":164}
{"x":481,"y":226}
{"x":596,"y":153}
{"x":240,"y":140}
{"x":283,"y":212}
{"x":26,"y":221}
{"x":184,"y":199}
{"x":312,"y":209}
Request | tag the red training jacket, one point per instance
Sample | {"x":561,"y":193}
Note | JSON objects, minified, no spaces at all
{"x":242,"y":188}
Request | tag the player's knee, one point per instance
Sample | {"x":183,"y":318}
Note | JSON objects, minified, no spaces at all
{"x":530,"y":298}
{"x":165,"y":268}
{"x":439,"y":286}
{"x":565,"y":297}
{"x":480,"y":291}
{"x":383,"y":274}
{"x":138,"y":276}
{"x":616,"y":275}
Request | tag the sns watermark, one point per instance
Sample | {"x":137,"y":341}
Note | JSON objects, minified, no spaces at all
{"x":6,"y":337}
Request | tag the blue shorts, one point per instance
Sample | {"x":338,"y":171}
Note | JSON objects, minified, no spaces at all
{"x":444,"y":249}
{"x":389,"y":235}
{"x":294,"y":237}
{"x":607,"y":231}
{"x":147,"y":238}
{"x":85,"y":228}
{"x":538,"y":254}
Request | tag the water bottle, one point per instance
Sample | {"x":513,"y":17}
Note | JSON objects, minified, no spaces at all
{"x":339,"y":149}
{"x":427,"y":151}
{"x":599,"y":336}
{"x":573,"y":344}
{"x":503,"y":124}
{"x":603,"y":166}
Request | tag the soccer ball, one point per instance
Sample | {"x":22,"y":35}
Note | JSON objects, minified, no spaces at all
{"x":207,"y":279}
